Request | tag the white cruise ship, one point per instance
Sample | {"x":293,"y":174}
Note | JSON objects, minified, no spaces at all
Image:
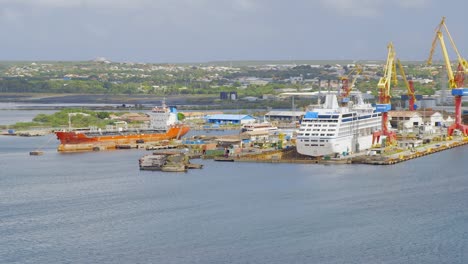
{"x":331,"y":129}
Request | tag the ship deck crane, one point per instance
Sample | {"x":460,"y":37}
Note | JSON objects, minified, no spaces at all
{"x":456,"y":81}
{"x":409,"y":87}
{"x":384,"y":104}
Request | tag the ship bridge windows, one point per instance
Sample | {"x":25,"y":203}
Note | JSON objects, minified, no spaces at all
{"x":347,"y":115}
{"x":329,"y":116}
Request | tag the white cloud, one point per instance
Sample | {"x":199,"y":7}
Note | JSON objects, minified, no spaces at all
{"x":10,"y":15}
{"x":360,"y":8}
{"x":413,"y":3}
{"x":370,"y":8}
{"x":88,"y":3}
{"x":112,"y":4}
{"x":245,"y":4}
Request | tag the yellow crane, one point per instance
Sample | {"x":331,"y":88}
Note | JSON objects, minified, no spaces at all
{"x":409,"y":87}
{"x":456,"y":81}
{"x":384,"y":104}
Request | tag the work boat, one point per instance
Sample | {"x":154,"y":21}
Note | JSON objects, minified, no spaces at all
{"x":331,"y":129}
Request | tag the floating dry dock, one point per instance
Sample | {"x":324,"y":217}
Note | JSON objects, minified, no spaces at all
{"x":291,"y":156}
{"x":404,"y":156}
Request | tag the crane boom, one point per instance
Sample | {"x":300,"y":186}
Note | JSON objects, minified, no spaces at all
{"x":346,"y":87}
{"x":460,"y":59}
{"x":385,"y":80}
{"x":448,"y":65}
{"x":439,"y":28}
{"x":434,"y":41}
{"x":409,"y":86}
{"x":455,"y":81}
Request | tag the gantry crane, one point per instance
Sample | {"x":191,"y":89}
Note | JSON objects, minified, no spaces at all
{"x":456,"y":81}
{"x":346,"y":87}
{"x":409,"y":87}
{"x":384,"y":104}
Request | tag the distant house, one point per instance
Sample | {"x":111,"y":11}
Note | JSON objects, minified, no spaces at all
{"x":432,"y":118}
{"x":405,"y":119}
{"x":257,"y":81}
{"x":296,"y":79}
{"x":269,"y":97}
{"x":230,"y":119}
{"x":256,"y":135}
{"x":436,"y":118}
{"x":427,"y":120}
{"x":250,"y":98}
{"x":199,"y":115}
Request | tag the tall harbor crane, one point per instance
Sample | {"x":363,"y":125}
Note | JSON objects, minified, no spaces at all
{"x":456,"y":81}
{"x":409,"y":87}
{"x":346,"y":86}
{"x":384,"y":104}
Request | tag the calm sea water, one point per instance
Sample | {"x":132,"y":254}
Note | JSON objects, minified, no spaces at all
{"x":97,"y":207}
{"x":11,"y":116}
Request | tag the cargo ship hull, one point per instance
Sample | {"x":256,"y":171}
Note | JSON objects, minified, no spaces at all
{"x":82,"y":141}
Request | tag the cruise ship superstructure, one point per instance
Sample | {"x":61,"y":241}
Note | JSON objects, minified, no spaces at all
{"x":332,"y":129}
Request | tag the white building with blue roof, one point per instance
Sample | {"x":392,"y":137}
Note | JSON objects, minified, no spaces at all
{"x":230,"y":119}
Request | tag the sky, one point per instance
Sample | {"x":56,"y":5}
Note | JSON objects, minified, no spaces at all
{"x":165,"y":31}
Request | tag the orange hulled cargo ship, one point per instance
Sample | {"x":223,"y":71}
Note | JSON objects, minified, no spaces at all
{"x":163,"y":125}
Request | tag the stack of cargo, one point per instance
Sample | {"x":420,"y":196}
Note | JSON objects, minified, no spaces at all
{"x":152,"y":162}
{"x":174,"y":162}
